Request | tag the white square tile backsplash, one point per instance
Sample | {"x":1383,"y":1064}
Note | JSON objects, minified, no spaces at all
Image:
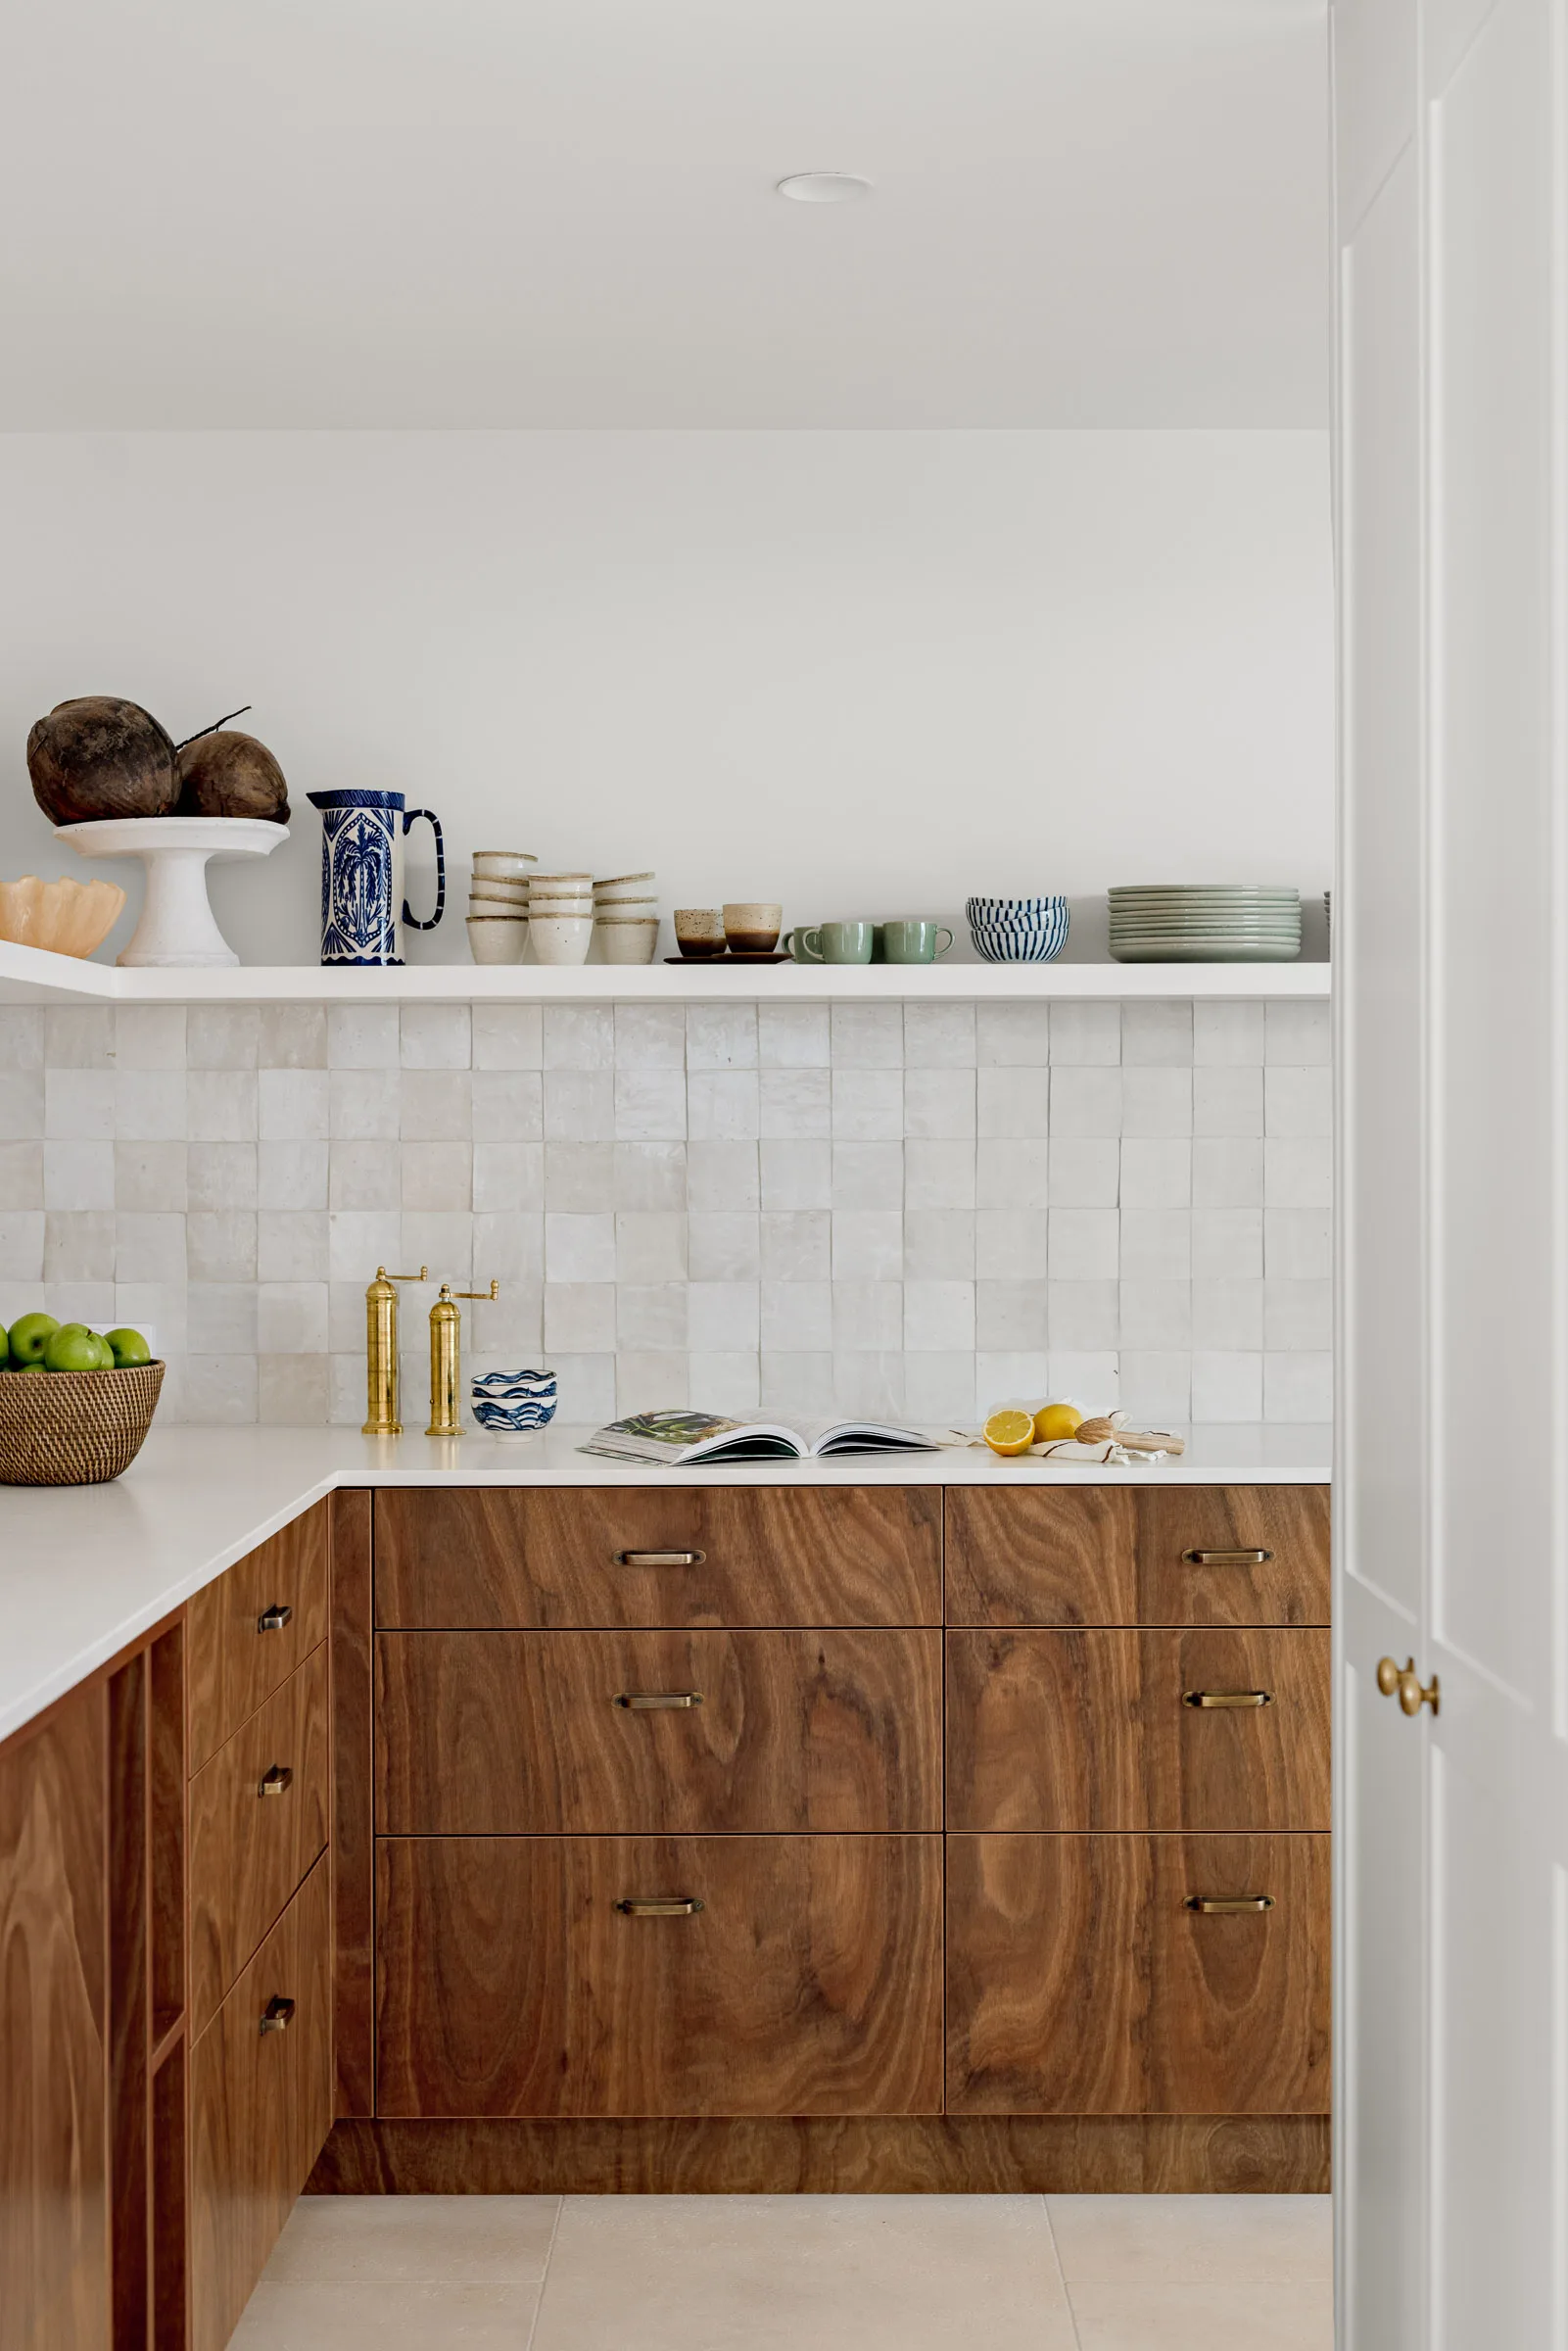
{"x":916,"y":1211}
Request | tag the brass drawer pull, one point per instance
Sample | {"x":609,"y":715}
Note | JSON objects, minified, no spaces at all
{"x":277,"y":1780}
{"x":275,"y":2016}
{"x":660,"y":1558}
{"x":1226,"y":1558}
{"x":274,"y":1618}
{"x":657,"y":1701}
{"x":682,"y":1905}
{"x":1211,"y":1700}
{"x":1228,"y":1905}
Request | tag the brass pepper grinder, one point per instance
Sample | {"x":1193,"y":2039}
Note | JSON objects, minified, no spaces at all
{"x":445,"y":1354}
{"x":381,"y":1352}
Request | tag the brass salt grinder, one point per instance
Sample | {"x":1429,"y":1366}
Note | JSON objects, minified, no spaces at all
{"x":381,"y":1352}
{"x":444,"y":1348}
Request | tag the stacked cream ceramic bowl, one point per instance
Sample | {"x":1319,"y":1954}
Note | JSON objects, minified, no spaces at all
{"x":1193,"y":922}
{"x":497,"y":905}
{"x":626,"y":917}
{"x":560,"y":913}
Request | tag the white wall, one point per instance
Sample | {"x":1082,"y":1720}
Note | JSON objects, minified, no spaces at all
{"x":861,"y":672}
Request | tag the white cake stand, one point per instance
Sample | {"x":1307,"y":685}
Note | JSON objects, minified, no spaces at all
{"x":176,"y":930}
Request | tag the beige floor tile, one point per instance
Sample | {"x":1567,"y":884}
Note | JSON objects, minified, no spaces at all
{"x":386,"y":2240}
{"x":386,"y":2318}
{"x":1296,"y":2316}
{"x":802,"y":2273}
{"x":1192,"y":2241}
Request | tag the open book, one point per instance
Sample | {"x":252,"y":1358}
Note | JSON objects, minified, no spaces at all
{"x":682,"y":1437}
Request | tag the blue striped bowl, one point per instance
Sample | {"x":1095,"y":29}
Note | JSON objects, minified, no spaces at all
{"x":1017,"y":929}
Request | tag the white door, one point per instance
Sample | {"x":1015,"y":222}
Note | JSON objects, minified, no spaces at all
{"x":1452,"y":942}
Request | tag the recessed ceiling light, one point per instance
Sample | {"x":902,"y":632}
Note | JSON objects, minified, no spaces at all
{"x":823,"y":187}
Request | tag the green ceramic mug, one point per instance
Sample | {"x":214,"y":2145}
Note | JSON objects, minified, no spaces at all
{"x":914,"y":942}
{"x":838,"y":942}
{"x":794,"y":942}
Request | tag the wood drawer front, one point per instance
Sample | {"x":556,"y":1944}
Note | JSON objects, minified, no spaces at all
{"x":260,"y":2110}
{"x":233,"y":1662}
{"x":1092,"y":1730}
{"x":1078,"y":1982}
{"x":250,"y":1850}
{"x":486,"y":1734}
{"x":508,"y":1982}
{"x":1289,"y":1522}
{"x":1116,"y":1555}
{"x":771,"y":1554}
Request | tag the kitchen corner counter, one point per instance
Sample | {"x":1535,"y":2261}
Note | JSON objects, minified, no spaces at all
{"x":87,"y":1569}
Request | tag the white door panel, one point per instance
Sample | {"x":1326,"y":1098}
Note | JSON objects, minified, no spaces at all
{"x":1452,"y":942}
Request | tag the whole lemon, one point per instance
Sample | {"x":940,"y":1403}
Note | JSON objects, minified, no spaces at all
{"x":1053,"y":1422}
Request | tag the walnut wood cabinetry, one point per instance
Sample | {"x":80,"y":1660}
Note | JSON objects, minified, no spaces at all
{"x":659,"y":1975}
{"x":494,"y":1734}
{"x":638,"y":1839}
{"x":147,"y":2156}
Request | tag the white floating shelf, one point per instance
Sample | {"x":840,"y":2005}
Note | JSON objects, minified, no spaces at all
{"x":27,"y":976}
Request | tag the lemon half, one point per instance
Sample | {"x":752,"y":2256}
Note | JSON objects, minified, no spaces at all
{"x":1009,"y":1432}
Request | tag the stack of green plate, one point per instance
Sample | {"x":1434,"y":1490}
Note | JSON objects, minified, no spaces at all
{"x":1193,"y":922}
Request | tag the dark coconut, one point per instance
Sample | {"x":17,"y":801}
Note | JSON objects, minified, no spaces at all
{"x":98,"y":757}
{"x":231,"y":774}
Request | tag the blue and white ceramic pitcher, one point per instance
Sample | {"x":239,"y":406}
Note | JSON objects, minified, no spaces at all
{"x":362,"y":906}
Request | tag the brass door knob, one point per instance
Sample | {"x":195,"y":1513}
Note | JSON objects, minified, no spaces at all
{"x":1404,"y":1683}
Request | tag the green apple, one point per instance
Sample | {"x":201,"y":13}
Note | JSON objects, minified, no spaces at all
{"x":73,"y":1349}
{"x":29,"y":1335}
{"x":106,"y":1352}
{"x":28,"y":1367}
{"x":129,"y":1347}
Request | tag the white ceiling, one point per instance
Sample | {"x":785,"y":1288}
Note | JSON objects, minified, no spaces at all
{"x":350,"y":213}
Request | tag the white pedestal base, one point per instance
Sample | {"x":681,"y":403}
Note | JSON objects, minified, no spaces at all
{"x":176,"y":930}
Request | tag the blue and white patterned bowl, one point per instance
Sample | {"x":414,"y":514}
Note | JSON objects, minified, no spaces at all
{"x":1029,"y":912}
{"x":1017,"y":929}
{"x":514,"y":1402}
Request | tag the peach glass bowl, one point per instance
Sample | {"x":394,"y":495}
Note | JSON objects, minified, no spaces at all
{"x":66,"y":918}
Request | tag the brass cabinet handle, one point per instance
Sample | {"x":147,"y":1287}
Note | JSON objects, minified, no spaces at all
{"x":276,"y":1779}
{"x":660,"y":1558}
{"x":275,"y":2015}
{"x":1227,"y":1905}
{"x":1226,"y":1558}
{"x":274,"y":1618}
{"x":1209,"y":1701}
{"x":1406,"y":1683}
{"x":657,"y":1701}
{"x":680,"y":1905}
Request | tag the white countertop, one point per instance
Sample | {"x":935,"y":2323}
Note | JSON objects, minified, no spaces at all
{"x":84,"y":1570}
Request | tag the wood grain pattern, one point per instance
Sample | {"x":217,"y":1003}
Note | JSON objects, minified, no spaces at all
{"x":509,"y":1984}
{"x":170,"y":2203}
{"x":501,"y":1558}
{"x":485,"y":1734}
{"x":1110,"y":1556}
{"x":1080,"y":1730}
{"x":1041,"y":1555}
{"x":166,"y":1796}
{"x":53,"y":2154}
{"x":259,"y":2112}
{"x":248,"y":1852}
{"x":232,"y":1665}
{"x":353,"y":1832}
{"x":1291,"y":1522}
{"x":1078,"y":1983}
{"x":833,"y":2155}
{"x":129,"y":2003}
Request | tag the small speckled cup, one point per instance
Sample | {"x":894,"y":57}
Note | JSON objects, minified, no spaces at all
{"x":700,"y":930}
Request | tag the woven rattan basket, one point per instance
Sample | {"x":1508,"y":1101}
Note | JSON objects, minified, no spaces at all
{"x":74,"y":1428}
